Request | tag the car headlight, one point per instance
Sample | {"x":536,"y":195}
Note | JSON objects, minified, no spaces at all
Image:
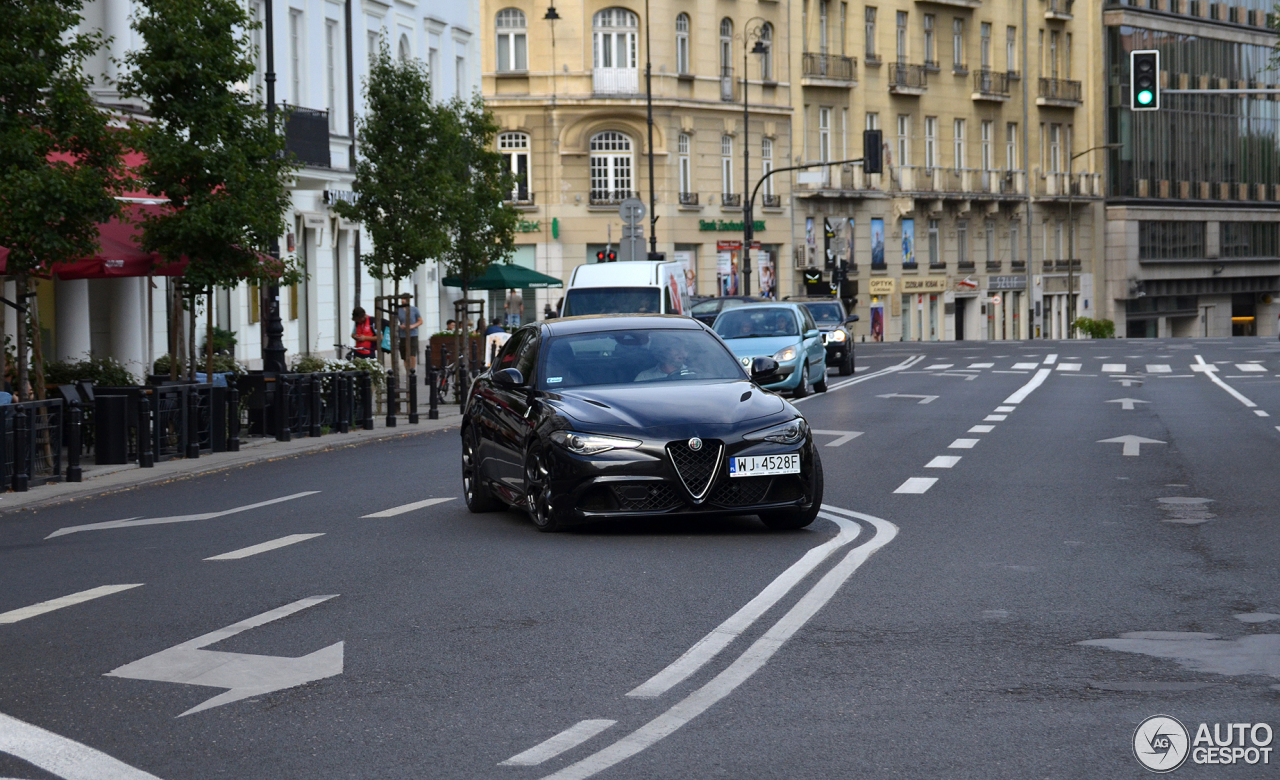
{"x":591,"y":443}
{"x":788,"y":432}
{"x":837,"y":335}
{"x":784,"y":355}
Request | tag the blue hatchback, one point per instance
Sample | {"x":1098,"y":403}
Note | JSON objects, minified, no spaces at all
{"x":785,"y":332}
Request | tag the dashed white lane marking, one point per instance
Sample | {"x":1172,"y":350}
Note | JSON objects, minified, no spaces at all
{"x":981,"y":429}
{"x":274,"y":544}
{"x":916,"y":485}
{"x":995,"y":418}
{"x":720,"y":637}
{"x":938,"y":366}
{"x":1213,"y":376}
{"x":1260,"y":413}
{"x":1050,"y":359}
{"x":1029,"y":387}
{"x":998,"y":371}
{"x":60,"y":756}
{"x":13,"y":616}
{"x":1247,"y":367}
{"x":1114,"y":368}
{"x":402,"y":509}
{"x":1005,"y":409}
{"x":746,"y":665}
{"x":982,"y":365}
{"x":1025,"y":366}
{"x":943,"y":462}
{"x":962,"y":444}
{"x":1069,"y":366}
{"x":569,"y":738}
{"x":1159,"y":368}
{"x":135,"y":521}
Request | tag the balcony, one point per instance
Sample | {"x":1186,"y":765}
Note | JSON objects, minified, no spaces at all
{"x":306,"y":136}
{"x":991,"y":85}
{"x":615,"y":81}
{"x":521,"y":198}
{"x":771,"y":201}
{"x":609,"y":197}
{"x":731,"y":200}
{"x":1059,"y":10}
{"x":1057,"y":184}
{"x":1059,"y":92}
{"x":1060,"y":266}
{"x":828,"y":70}
{"x":907,"y":79}
{"x":954,"y":3}
{"x":688,"y":199}
{"x":726,"y":84}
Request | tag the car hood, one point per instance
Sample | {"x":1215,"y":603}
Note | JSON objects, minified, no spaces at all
{"x":663,"y":405}
{"x":767,"y":346}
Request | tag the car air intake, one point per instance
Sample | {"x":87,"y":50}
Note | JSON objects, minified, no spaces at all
{"x":696,"y":468}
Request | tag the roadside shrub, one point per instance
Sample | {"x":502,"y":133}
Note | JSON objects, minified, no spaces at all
{"x":104,"y":371}
{"x":1096,"y":329}
{"x":222,"y":364}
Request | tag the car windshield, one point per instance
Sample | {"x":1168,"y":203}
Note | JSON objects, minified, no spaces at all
{"x":826,"y":313}
{"x":623,"y":357}
{"x":756,"y":322}
{"x":706,"y":307}
{"x":611,"y":300}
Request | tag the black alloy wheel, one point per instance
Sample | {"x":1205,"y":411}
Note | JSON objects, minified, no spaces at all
{"x":802,"y":389}
{"x":474,"y":490}
{"x":821,"y":387}
{"x":846,"y":365}
{"x":537,"y":491}
{"x":792,"y":519}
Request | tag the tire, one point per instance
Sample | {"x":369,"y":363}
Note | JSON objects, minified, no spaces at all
{"x":847,"y":367}
{"x":792,"y":519}
{"x":537,"y":487}
{"x":802,"y":389}
{"x":821,"y":387}
{"x":478,"y":497}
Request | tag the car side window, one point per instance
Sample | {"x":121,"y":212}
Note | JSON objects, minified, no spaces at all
{"x":527,"y":359}
{"x":507,"y":356}
{"x":808,"y":320}
{"x":667,"y":306}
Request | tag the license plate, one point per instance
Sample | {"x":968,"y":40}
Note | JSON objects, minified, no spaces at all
{"x":764,"y":465}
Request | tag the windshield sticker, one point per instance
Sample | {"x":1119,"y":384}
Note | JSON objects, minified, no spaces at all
{"x":551,"y":380}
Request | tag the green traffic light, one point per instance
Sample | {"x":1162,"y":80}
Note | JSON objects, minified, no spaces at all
{"x":1145,"y":97}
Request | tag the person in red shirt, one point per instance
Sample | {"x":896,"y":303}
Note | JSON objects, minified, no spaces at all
{"x":363,"y":335}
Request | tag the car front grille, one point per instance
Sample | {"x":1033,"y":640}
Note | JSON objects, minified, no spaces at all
{"x":646,"y":498}
{"x":696,"y":468}
{"x":742,"y":491}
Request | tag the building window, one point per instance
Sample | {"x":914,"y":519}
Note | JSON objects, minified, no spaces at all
{"x":930,"y":42}
{"x":766,"y":165}
{"x":259,"y":54}
{"x":372,"y":41}
{"x":824,"y":134}
{"x":935,"y":255}
{"x":1053,"y":54}
{"x":515,"y":155}
{"x":957,"y":44}
{"x":962,"y":243}
{"x":987,"y":162}
{"x":1248,"y":239}
{"x":930,"y":143}
{"x":1011,"y":145}
{"x":614,"y":38}
{"x":1011,"y":49}
{"x":904,"y":139}
{"x":433,"y":69}
{"x":1055,"y":148}
{"x":823,"y":34}
{"x":295,"y":57}
{"x":873,"y":120}
{"x":870,"y":16}
{"x":989,"y":233}
{"x":1014,"y":257}
{"x":686,"y":169}
{"x":682,"y":44}
{"x":1057,"y":241}
{"x":985,"y":35}
{"x":958,"y":148}
{"x":405,"y":52}
{"x":1066,"y":55}
{"x":766,"y":59}
{"x":331,"y":72}
{"x":901,"y":40}
{"x":1176,"y":240}
{"x":460,"y":75}
{"x":726,"y":47}
{"x":513,"y":52}
{"x":726,"y":165}
{"x":844,"y":29}
{"x":610,"y":166}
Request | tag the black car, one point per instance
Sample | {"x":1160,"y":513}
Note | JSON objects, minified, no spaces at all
{"x":837,"y":333}
{"x":707,"y":310}
{"x":596,"y":418}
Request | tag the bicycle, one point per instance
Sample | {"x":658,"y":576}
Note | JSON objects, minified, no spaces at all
{"x":348,"y":353}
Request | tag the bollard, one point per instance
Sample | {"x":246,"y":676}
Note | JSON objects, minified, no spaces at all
{"x":283,"y":433}
{"x":316,"y":404}
{"x":146,"y":458}
{"x":21,"y":451}
{"x":366,"y":400}
{"x":413,"y":396}
{"x":233,"y":417}
{"x":344,"y":403}
{"x":75,"y":419}
{"x":392,"y":399}
{"x":433,"y":393}
{"x":193,"y":422}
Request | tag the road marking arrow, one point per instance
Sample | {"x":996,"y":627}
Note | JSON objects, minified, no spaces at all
{"x":1131,"y":443}
{"x":844,"y":436}
{"x":245,"y":675}
{"x":1128,"y":382}
{"x":924,"y":399}
{"x":132,"y":521}
{"x":1126,"y":404}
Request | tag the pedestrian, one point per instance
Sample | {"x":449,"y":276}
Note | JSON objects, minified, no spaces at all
{"x":363,"y":335}
{"x":410,"y":319}
{"x":451,"y":326}
{"x":479,"y":331}
{"x":495,"y":327}
{"x":514,"y":308}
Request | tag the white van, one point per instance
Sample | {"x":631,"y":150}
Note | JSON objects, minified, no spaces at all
{"x":635,"y":287}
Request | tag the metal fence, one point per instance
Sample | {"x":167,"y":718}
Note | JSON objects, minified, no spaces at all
{"x":31,"y":442}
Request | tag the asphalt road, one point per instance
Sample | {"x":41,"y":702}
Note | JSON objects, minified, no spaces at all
{"x":1011,"y":614}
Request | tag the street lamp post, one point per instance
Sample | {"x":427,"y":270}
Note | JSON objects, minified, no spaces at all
{"x":748,"y":226}
{"x":648,"y":94}
{"x":273,"y":345}
{"x":1071,"y":238}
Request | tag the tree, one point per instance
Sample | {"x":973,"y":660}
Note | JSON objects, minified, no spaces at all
{"x":212,"y":151}
{"x":61,"y":160}
{"x":402,"y":181}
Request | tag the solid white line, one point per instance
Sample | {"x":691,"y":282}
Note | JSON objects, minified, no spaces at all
{"x":129,"y":523}
{"x":1050,"y":359}
{"x":61,"y":756}
{"x":569,"y":738}
{"x":400,"y":510}
{"x":13,"y":616}
{"x":943,"y":462}
{"x":746,"y":665}
{"x":710,"y":645}
{"x":1213,"y":376}
{"x":962,"y":444}
{"x":981,"y":429}
{"x":1030,"y":386}
{"x":274,"y":544}
{"x":915,"y":485}
{"x":855,"y":380}
{"x":995,"y":418}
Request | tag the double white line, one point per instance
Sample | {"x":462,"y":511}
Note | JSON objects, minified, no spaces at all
{"x":908,"y":363}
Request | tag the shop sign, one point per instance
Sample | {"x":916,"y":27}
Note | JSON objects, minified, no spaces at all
{"x":933,"y":284}
{"x":1006,"y":282}
{"x":734,"y":246}
{"x":881,"y":286}
{"x":728,"y":226}
{"x":525,"y":226}
{"x":333,"y":196}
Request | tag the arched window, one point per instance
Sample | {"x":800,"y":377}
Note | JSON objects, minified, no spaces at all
{"x":405,"y":52}
{"x":726,"y":47}
{"x":610,"y":167}
{"x":514,"y":148}
{"x":512,"y":41}
{"x":614,"y":52}
{"x":766,"y":59}
{"x":682,"y":43}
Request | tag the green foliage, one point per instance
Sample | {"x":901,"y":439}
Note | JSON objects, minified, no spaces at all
{"x":1096,"y":329}
{"x":224,"y":342}
{"x":212,"y":151}
{"x":101,"y":371}
{"x":310,"y":364}
{"x":222,"y":364}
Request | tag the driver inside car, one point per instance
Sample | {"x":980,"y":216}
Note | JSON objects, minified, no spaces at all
{"x":671,"y":361}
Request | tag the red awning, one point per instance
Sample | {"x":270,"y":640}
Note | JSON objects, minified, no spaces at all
{"x":119,"y":254}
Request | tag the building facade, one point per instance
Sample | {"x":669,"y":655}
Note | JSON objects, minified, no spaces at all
{"x":1193,"y":207}
{"x":569,"y":94}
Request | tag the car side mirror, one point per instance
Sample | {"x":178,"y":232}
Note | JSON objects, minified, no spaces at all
{"x":852,"y":319}
{"x":812,"y":333}
{"x":763,"y":369}
{"x":508,"y":377}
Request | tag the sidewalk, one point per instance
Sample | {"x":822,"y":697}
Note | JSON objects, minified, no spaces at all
{"x":106,"y":479}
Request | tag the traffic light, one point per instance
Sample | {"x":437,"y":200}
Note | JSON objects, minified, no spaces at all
{"x":658,"y":256}
{"x":606,"y":257}
{"x":872,"y":153}
{"x":828,"y":233}
{"x":1144,"y":80}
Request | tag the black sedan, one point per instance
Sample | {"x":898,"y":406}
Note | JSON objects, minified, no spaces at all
{"x":706,"y":311}
{"x":596,"y":418}
{"x":837,"y":330}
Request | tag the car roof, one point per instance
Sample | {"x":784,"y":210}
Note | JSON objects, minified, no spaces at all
{"x":792,"y":307}
{"x":592,"y":323}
